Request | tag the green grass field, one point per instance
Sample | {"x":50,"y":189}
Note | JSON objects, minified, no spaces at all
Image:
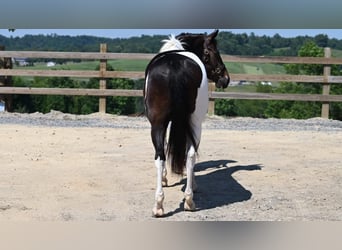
{"x":119,"y":65}
{"x":140,"y":65}
{"x":255,"y":68}
{"x":129,"y":65}
{"x":336,"y":53}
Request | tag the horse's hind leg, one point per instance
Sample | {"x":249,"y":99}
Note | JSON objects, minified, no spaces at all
{"x":191,"y":185}
{"x":158,"y":209}
{"x":158,"y":137}
{"x":189,"y":204}
{"x":164,"y":178}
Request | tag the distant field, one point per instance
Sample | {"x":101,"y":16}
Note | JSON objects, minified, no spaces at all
{"x":255,"y":68}
{"x":129,"y":65}
{"x":120,"y":65}
{"x":336,"y":53}
{"x":242,"y":88}
{"x":140,"y":65}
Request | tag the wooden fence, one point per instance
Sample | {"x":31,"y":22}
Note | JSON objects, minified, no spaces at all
{"x":326,"y":79}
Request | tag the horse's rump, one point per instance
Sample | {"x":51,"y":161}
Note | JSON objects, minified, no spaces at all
{"x":174,"y":80}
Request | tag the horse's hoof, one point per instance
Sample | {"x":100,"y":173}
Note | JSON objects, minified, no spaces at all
{"x":158,"y":209}
{"x":189,"y":204}
{"x":158,"y":212}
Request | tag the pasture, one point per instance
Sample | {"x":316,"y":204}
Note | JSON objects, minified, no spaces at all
{"x":71,"y":173}
{"x":140,"y":65}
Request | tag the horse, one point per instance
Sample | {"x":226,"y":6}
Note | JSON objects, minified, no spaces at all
{"x":176,"y":93}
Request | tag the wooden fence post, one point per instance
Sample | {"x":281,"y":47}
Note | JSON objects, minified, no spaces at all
{"x":6,"y":81}
{"x":211,"y":107}
{"x":103,"y":68}
{"x":326,"y":84}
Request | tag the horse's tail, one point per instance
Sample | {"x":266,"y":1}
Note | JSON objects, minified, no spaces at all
{"x":181,"y":132}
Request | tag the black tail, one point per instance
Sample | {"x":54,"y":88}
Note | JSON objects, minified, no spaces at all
{"x":181,"y":132}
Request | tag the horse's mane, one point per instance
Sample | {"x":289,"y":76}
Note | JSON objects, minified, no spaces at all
{"x":171,"y":44}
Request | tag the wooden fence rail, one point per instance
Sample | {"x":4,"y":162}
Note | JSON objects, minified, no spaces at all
{"x":139,"y":93}
{"x":326,"y":79}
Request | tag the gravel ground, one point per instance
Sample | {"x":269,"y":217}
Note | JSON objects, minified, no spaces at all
{"x":59,"y":119}
{"x":100,"y":167}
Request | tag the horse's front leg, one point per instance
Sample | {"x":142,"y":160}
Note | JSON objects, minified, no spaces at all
{"x":189,"y":204}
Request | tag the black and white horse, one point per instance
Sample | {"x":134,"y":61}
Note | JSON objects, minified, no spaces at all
{"x":176,"y":91}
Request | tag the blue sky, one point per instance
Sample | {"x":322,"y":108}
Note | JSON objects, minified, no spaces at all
{"x":124,"y":33}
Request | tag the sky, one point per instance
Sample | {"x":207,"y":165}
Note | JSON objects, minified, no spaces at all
{"x":126,"y":33}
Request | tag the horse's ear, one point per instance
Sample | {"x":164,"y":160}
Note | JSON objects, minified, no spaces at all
{"x":213,"y":35}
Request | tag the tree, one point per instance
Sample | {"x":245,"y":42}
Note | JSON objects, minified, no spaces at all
{"x":304,"y":110}
{"x":121,"y":105}
{"x":321,"y":40}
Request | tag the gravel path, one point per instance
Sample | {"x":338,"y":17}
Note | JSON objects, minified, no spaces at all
{"x":58,"y":119}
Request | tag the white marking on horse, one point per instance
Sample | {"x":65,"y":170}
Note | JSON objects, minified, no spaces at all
{"x":146,"y":83}
{"x":158,"y":209}
{"x":201,"y":107}
{"x":171,"y":44}
{"x":189,"y":204}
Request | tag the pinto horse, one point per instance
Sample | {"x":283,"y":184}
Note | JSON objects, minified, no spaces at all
{"x":176,"y":92}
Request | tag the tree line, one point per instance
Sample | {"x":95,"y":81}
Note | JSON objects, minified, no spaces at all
{"x":229,"y":43}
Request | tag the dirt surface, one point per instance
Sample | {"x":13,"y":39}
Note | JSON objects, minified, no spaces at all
{"x":52,"y":173}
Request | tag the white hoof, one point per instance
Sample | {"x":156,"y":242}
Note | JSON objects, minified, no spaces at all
{"x":158,"y":209}
{"x":158,"y":212}
{"x":189,"y":204}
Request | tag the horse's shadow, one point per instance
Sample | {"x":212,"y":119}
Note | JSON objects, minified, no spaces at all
{"x":218,"y":187}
